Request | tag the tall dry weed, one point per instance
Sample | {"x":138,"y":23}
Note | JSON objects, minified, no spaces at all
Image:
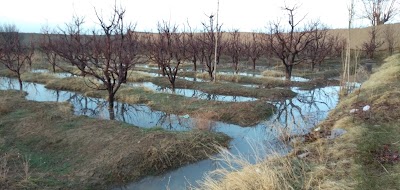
{"x":239,"y":172}
{"x":273,"y":73}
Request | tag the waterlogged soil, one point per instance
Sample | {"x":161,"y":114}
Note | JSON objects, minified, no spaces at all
{"x":293,"y":117}
{"x":296,"y":115}
{"x":230,"y":89}
{"x":243,"y":113}
{"x":62,"y":150}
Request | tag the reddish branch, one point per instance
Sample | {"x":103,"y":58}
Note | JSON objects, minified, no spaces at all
{"x":253,"y":49}
{"x":234,"y":48}
{"x":321,"y":47}
{"x":168,"y":49}
{"x":287,"y":44}
{"x":14,"y":52}
{"x":207,"y":44}
{"x":106,"y":54}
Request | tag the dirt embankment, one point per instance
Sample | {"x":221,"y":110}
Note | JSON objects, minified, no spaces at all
{"x":45,"y":146}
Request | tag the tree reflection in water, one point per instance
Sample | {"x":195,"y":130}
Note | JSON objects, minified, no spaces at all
{"x":299,"y":114}
{"x":306,"y":110}
{"x":92,"y":107}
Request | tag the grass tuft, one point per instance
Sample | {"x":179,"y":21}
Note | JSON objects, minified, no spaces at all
{"x":273,"y":73}
{"x":356,"y":160}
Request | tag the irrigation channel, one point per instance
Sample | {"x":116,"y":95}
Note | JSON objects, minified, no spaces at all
{"x":296,"y":116}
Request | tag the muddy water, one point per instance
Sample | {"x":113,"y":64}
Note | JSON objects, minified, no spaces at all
{"x":294,"y":116}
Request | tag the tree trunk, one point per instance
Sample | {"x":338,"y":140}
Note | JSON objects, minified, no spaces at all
{"x":210,"y":73}
{"x":254,"y":64}
{"x":173,"y":87}
{"x":195,"y":63}
{"x":172,"y":81}
{"x":236,"y":67}
{"x":288,"y":72}
{"x":20,"y":82}
{"x":111,"y":104}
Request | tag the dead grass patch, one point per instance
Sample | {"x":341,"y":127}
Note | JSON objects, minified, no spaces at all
{"x":273,"y":73}
{"x":138,"y":76}
{"x":346,"y":162}
{"x":66,"y":151}
{"x":38,"y":77}
{"x":237,"y":172}
{"x":205,"y":120}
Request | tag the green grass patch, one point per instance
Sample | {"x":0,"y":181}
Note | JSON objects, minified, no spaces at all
{"x":378,"y":144}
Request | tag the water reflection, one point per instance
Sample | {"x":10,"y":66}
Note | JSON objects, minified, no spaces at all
{"x":192,"y":93}
{"x":297,"y":114}
{"x":138,"y":115}
{"x":306,"y":110}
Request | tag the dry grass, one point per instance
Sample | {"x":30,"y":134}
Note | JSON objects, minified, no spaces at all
{"x":83,"y":85}
{"x":138,"y":76}
{"x":345,"y":162}
{"x":237,"y":172}
{"x":205,"y":120}
{"x":67,"y":151}
{"x":273,"y":73}
{"x":361,"y":35}
{"x":223,"y":77}
{"x":38,"y":77}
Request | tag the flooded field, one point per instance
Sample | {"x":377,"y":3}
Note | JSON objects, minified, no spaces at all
{"x":294,"y":116}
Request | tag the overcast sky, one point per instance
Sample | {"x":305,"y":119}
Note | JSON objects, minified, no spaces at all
{"x":245,"y":15}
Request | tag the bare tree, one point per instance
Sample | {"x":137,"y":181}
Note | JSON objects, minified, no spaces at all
{"x":390,"y":38}
{"x":234,"y":48}
{"x":45,"y":47}
{"x":287,"y":44}
{"x":14,"y":52}
{"x":339,"y":46}
{"x":72,"y":44}
{"x":253,"y":48}
{"x":373,"y":43}
{"x":207,"y":41}
{"x":193,"y":47}
{"x":379,"y":12}
{"x":169,"y":50}
{"x":106,"y":54}
{"x":321,"y":47}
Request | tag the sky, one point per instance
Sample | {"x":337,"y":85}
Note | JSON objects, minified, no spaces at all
{"x":245,"y":15}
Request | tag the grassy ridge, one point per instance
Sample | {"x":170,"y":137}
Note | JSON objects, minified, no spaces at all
{"x":44,"y":146}
{"x":366,"y":157}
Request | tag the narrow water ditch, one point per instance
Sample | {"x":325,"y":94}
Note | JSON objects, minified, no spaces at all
{"x":192,"y":93}
{"x":295,"y":115}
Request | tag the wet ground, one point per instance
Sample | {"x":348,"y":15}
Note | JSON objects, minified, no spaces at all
{"x":295,"y":116}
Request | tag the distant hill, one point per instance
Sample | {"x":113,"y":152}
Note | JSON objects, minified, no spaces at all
{"x":358,"y":35}
{"x":361,"y":35}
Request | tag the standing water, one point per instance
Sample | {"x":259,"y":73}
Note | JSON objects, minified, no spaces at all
{"x":296,"y":116}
